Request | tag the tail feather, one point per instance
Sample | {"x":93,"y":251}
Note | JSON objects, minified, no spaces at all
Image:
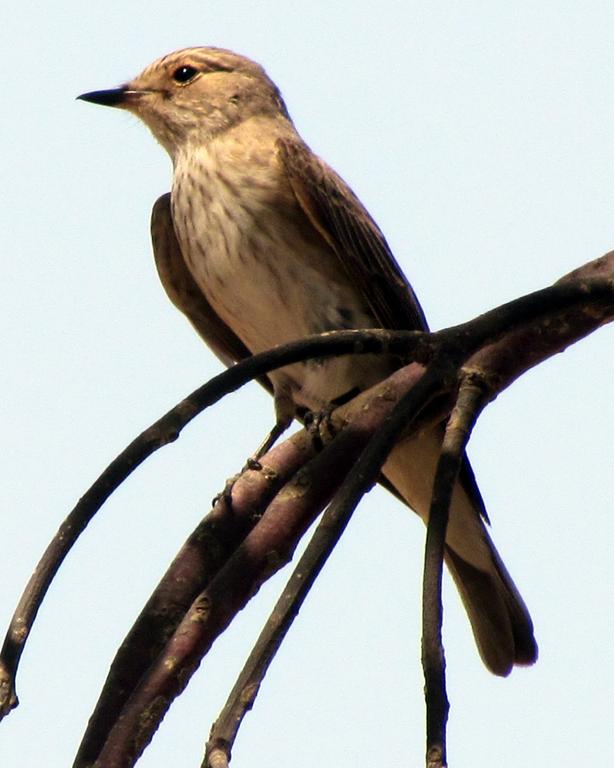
{"x":500,"y":621}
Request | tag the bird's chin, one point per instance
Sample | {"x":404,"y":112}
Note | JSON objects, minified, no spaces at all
{"x":166,"y":137}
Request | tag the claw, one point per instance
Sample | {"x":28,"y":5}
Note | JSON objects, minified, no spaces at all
{"x":226,"y":493}
{"x":320,"y":426}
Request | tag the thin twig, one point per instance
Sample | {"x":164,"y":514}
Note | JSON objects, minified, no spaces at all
{"x":576,"y":289}
{"x":472,"y":397}
{"x":418,"y":346}
{"x":162,"y":432}
{"x":334,"y":521}
{"x":266,"y":549}
{"x":200,"y":558}
{"x":263,"y":552}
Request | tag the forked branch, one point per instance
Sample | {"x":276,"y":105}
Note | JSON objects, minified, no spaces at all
{"x":229,"y":555}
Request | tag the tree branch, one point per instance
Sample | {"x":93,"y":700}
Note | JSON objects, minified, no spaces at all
{"x":499,"y":346}
{"x":201,"y":557}
{"x":471,"y":399}
{"x":457,"y":346}
{"x":164,"y":431}
{"x":360,"y":479}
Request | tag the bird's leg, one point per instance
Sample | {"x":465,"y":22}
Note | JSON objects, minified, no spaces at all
{"x":269,"y":441}
{"x":284,"y":413}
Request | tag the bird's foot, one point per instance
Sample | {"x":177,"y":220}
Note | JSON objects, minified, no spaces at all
{"x":319,"y":425}
{"x":225,"y":495}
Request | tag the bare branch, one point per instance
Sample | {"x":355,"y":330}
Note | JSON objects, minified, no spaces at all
{"x":498,"y":346}
{"x":455,"y":346}
{"x":471,"y":399}
{"x":159,"y":434}
{"x":263,"y":551}
{"x":202,"y":555}
{"x":360,"y":479}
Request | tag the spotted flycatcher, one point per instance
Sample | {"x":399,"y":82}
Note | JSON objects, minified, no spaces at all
{"x":259,"y":243}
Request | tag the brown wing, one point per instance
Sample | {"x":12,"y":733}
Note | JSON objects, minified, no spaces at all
{"x":185,"y":294}
{"x":339,"y":216}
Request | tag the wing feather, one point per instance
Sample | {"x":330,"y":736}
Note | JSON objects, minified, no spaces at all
{"x":339,"y":216}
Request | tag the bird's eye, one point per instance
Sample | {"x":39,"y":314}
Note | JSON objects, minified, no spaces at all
{"x":184,"y":74}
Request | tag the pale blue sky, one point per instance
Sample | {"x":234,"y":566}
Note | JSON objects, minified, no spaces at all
{"x":480,"y":137}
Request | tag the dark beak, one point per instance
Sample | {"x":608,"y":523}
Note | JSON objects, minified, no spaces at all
{"x":114,"y":97}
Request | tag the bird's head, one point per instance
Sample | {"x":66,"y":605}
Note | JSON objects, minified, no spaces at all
{"x":192,"y":95}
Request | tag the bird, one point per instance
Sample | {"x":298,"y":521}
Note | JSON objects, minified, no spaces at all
{"x":260,"y":242}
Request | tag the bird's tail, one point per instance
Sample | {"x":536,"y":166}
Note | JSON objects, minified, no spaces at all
{"x":500,"y":621}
